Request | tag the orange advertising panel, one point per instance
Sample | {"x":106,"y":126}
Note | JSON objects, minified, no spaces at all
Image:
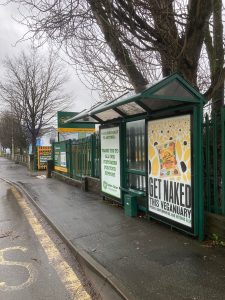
{"x":44,"y":154}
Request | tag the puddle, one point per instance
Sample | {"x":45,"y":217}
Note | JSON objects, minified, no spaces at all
{"x":41,"y":176}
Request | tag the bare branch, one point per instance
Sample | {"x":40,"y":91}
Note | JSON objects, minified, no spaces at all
{"x":33,"y":87}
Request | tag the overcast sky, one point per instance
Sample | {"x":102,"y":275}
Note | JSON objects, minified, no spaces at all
{"x":11,"y":32}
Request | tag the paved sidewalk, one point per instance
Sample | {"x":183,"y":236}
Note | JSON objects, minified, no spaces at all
{"x":149,"y":259}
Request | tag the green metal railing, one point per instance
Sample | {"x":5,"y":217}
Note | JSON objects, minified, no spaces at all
{"x":85,"y":157}
{"x":214,"y":162}
{"x":82,"y":157}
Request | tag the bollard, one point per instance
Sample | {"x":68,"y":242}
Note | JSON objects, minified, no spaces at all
{"x":50,"y":167}
{"x":84,"y":184}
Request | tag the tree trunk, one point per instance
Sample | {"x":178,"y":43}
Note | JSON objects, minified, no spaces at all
{"x":120,"y":53}
{"x":33,"y":143}
{"x":218,"y":96}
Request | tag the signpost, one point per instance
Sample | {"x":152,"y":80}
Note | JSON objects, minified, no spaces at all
{"x":170,"y":170}
{"x":110,"y":161}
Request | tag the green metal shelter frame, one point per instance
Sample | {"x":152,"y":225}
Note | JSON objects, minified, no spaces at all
{"x":172,"y":96}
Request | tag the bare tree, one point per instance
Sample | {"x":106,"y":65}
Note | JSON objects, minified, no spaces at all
{"x":214,"y":41}
{"x":120,"y":44}
{"x":11,"y":127}
{"x":33,"y":87}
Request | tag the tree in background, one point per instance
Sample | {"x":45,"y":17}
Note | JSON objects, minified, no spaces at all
{"x":119,"y":44}
{"x":214,"y":41}
{"x":11,"y":128}
{"x":33,"y":87}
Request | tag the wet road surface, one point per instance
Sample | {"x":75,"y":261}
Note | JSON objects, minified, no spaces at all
{"x":34,"y":262}
{"x":150,"y":260}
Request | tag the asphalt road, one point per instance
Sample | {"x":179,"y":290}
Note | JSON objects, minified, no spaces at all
{"x":147,"y":258}
{"x":34,"y":262}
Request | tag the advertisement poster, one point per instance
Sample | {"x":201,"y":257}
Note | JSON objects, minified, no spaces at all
{"x":44,"y":154}
{"x":169,"y":169}
{"x":60,"y":158}
{"x":57,"y":155}
{"x":110,"y":161}
{"x":63,"y":159}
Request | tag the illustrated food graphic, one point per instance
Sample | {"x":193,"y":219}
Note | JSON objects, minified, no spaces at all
{"x":167,"y":158}
{"x":169,"y":148}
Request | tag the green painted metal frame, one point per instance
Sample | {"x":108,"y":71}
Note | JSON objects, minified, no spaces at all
{"x":126,"y":171}
{"x":223,"y":159}
{"x":170,"y":98}
{"x":194,"y":105}
{"x":215,"y":165}
{"x":169,"y":79}
{"x":123,"y":162}
{"x":214,"y":148}
{"x":197,"y":156}
{"x":198,"y":171}
{"x":122,"y":146}
{"x":207,"y":165}
{"x":93,"y":154}
{"x":197,"y":146}
{"x":70,"y":162}
{"x":149,"y":94}
{"x":84,"y":157}
{"x":136,"y":172}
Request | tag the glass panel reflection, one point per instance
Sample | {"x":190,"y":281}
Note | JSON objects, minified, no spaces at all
{"x":137,"y":182}
{"x":174,"y":89}
{"x":131,"y":109}
{"x":136,"y":145}
{"x":108,"y":115}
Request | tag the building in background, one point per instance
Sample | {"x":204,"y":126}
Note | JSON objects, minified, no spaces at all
{"x":46,"y":137}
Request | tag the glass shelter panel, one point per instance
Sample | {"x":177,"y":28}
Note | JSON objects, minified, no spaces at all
{"x":174,"y":89}
{"x":137,"y":182}
{"x":131,"y":109}
{"x":156,"y":104}
{"x":135,"y":134}
{"x":108,"y":115}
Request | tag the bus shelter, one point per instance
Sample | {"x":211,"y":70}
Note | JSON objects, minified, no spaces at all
{"x":151,"y":148}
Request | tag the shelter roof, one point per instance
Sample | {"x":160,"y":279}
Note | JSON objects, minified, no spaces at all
{"x":171,"y":91}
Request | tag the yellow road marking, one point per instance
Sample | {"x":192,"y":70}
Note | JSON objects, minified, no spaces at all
{"x":64,"y":271}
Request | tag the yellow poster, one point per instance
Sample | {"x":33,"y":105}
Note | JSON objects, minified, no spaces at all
{"x":169,"y":168}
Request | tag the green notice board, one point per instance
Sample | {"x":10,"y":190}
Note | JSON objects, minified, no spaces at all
{"x":60,"y":157}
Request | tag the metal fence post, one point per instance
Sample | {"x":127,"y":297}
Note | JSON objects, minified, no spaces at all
{"x":70,"y":159}
{"x":223,"y":160}
{"x":93,"y":154}
{"x":200,"y":174}
{"x":207,"y":161}
{"x":215,"y":164}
